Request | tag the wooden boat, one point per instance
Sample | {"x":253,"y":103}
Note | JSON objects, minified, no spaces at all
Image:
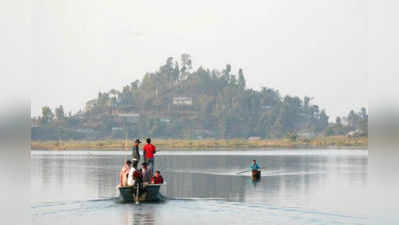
{"x":149,"y":194}
{"x":255,"y":175}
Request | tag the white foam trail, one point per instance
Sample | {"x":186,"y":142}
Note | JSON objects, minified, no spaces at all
{"x":271,"y":173}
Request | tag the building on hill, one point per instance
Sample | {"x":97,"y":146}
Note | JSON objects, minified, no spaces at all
{"x":254,"y":138}
{"x":355,"y":133}
{"x":130,"y":117}
{"x":182,"y":101}
{"x":124,"y":108}
{"x":305,"y":134}
{"x":164,"y":120}
{"x":267,"y":107}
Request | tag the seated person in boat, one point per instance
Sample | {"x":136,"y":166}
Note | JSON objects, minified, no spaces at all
{"x":124,"y":173}
{"x":134,"y":175}
{"x":254,"y":167}
{"x":147,"y":174}
{"x":157,"y":178}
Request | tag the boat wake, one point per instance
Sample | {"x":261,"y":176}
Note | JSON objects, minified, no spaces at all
{"x":213,"y":207}
{"x":44,"y":208}
{"x":265,"y":173}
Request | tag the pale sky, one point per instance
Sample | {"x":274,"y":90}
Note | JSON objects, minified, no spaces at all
{"x":315,"y":48}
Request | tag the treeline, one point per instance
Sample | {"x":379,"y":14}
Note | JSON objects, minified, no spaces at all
{"x":354,"y":124}
{"x":178,"y":101}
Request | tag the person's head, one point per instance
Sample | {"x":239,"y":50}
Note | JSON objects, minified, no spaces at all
{"x":135,"y":164}
{"x":128,"y":162}
{"x":144,"y":165}
{"x":148,"y":140}
{"x":157,"y":173}
{"x":254,"y":161}
{"x":137,"y":142}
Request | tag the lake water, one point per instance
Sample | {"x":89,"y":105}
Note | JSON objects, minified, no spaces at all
{"x":297,"y":187}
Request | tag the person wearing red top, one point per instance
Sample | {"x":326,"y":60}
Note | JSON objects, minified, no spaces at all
{"x":157,"y":178}
{"x":148,"y":151}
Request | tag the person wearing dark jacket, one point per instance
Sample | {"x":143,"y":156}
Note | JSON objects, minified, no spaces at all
{"x":135,"y":152}
{"x":146,"y":172}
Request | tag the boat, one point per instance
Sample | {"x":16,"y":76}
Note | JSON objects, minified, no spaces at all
{"x":256,"y":174}
{"x":150,"y":193}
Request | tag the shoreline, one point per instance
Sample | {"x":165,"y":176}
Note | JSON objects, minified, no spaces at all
{"x":335,"y":142}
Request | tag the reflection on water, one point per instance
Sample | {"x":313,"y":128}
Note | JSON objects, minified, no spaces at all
{"x":205,"y":188}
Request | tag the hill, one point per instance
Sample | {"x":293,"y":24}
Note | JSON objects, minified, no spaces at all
{"x":178,"y":101}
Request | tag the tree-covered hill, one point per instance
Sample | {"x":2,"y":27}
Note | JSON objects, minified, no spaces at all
{"x":178,"y":101}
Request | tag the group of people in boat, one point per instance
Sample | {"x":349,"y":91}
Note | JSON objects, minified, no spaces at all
{"x":131,"y":174}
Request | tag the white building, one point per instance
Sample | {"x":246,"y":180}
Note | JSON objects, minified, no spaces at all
{"x":182,"y":101}
{"x":254,"y":138}
{"x":165,"y":120}
{"x":130,"y":117}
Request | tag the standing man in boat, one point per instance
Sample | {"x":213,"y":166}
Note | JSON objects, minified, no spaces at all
{"x":136,"y":153}
{"x":148,"y":151}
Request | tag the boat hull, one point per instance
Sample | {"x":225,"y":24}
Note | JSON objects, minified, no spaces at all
{"x":149,"y":194}
{"x":256,"y":174}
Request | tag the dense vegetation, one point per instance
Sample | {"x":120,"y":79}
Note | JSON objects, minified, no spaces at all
{"x":218,"y":105}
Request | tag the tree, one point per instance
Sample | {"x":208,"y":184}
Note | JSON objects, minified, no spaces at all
{"x":323,"y":123}
{"x":338,"y":121}
{"x":135,"y":85}
{"x":352,"y":119}
{"x":363,"y":123}
{"x":186,"y":60}
{"x":306,"y":101}
{"x":169,"y":62}
{"x":363,"y":113}
{"x":233,"y":80}
{"x":186,"y":65}
{"x":59,"y":113}
{"x":47,"y":116}
{"x":241,"y":79}
{"x":176,"y":72}
{"x":226,"y":73}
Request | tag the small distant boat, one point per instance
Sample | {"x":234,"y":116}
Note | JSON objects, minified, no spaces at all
{"x":256,"y":174}
{"x":150,"y":193}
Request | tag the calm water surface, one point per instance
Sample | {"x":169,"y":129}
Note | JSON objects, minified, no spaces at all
{"x":297,"y":187}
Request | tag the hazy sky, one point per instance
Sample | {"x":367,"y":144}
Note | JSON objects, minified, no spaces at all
{"x":316,"y":48}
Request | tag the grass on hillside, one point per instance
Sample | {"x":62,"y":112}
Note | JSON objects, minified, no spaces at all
{"x":318,"y":142}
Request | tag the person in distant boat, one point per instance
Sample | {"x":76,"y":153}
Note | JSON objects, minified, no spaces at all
{"x":255,"y":170}
{"x":124,"y":173}
{"x":254,"y":167}
{"x":135,"y":152}
{"x":147,"y":173}
{"x":148,"y":151}
{"x":157,"y":178}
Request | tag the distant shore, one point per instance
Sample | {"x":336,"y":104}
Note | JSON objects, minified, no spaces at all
{"x":209,"y":144}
